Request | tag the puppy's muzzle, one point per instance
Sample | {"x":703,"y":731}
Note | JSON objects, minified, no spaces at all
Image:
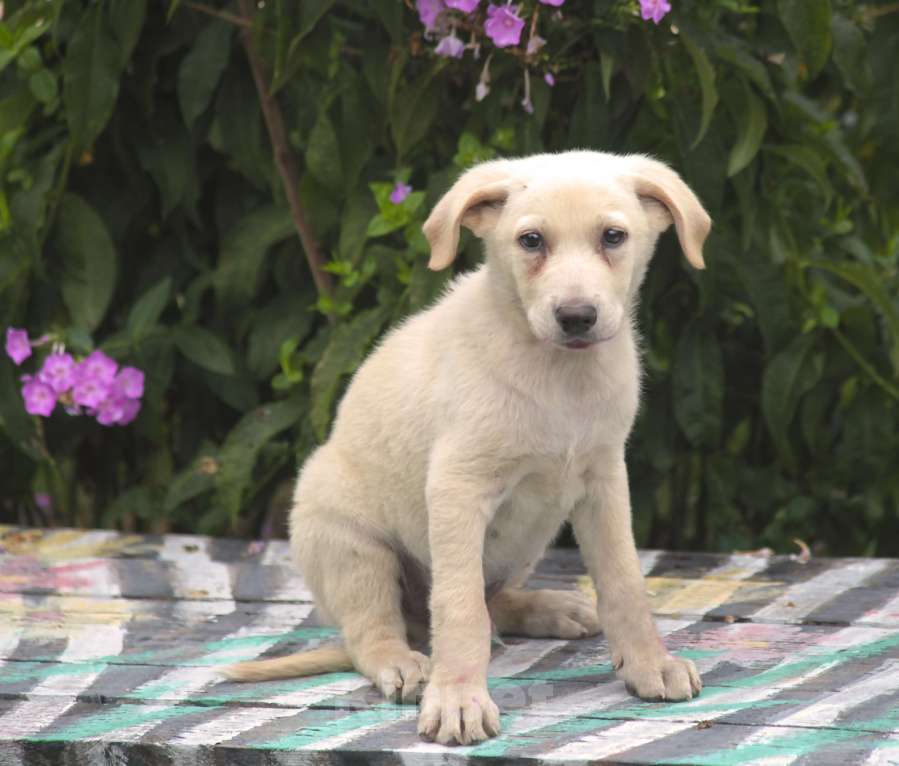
{"x":576,"y":320}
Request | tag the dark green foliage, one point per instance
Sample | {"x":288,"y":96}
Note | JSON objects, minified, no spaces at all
{"x":141,"y":212}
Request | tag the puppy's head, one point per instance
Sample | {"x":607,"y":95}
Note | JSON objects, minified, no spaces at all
{"x":571,"y":233}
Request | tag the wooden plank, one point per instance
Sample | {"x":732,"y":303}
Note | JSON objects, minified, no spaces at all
{"x":109,"y":648}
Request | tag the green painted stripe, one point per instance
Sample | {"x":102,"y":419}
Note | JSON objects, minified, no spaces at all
{"x":30,"y":671}
{"x":309,"y":735}
{"x":120,"y":717}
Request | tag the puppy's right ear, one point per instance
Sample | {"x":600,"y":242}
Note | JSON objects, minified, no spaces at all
{"x":474,"y":201}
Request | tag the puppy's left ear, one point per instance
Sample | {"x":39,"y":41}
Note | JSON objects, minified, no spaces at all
{"x":657,"y":182}
{"x":474,"y":201}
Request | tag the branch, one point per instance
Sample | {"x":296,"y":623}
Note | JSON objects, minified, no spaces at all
{"x":284,"y":158}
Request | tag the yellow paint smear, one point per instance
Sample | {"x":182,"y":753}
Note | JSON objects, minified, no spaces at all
{"x":67,"y":544}
{"x":673,"y":595}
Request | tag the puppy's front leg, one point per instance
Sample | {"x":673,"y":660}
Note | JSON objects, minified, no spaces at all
{"x":456,"y":706}
{"x":602,"y":525}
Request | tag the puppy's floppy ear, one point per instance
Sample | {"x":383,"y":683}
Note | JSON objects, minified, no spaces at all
{"x":655,"y":181}
{"x":473,"y":201}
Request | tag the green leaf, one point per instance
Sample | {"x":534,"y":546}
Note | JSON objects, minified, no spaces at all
{"x":126,"y":18}
{"x":850,"y":53}
{"x":470,"y":151}
{"x":323,"y":153}
{"x":278,"y":322}
{"x":145,"y":313}
{"x":698,"y":386}
{"x":169,"y":159}
{"x":787,"y":377}
{"x":43,"y":86}
{"x":173,"y":9}
{"x":808,"y":23}
{"x":737,"y":53}
{"x":311,"y":11}
{"x":205,"y":349}
{"x":244,"y":249}
{"x":752,"y":127}
{"x":90,"y":78}
{"x":192,"y":482}
{"x":346,"y":349}
{"x":15,"y":423}
{"x":241,"y":448}
{"x":706,"y":74}
{"x":607,"y":66}
{"x":89,"y":261}
{"x":876,"y":290}
{"x":202,"y":68}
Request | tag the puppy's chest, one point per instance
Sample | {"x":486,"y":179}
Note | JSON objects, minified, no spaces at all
{"x":531,"y":512}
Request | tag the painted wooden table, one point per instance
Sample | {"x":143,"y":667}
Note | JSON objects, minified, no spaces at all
{"x":109,"y":646}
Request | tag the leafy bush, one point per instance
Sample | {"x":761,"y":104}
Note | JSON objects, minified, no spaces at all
{"x":142,"y":213}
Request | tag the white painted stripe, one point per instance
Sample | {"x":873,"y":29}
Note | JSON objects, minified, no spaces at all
{"x":519,"y":657}
{"x":9,"y":640}
{"x":887,"y":754}
{"x":193,"y":573}
{"x":803,"y":598}
{"x":332,"y":743}
{"x":227,"y":726}
{"x":648,"y":560}
{"x":276,"y":554}
{"x":887,"y":615}
{"x":183,"y":682}
{"x":826,"y":711}
{"x":53,"y":696}
{"x":632,"y":734}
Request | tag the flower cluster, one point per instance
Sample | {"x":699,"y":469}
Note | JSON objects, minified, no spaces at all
{"x":94,"y":385}
{"x":504,"y":25}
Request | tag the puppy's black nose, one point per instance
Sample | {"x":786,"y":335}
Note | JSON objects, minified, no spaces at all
{"x":576,"y":320}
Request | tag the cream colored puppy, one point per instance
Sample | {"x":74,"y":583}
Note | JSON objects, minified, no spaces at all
{"x":480,"y":425}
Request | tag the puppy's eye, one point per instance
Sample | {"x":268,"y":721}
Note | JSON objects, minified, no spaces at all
{"x":613,"y":237}
{"x":531,"y":241}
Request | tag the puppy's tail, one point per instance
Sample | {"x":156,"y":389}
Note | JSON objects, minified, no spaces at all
{"x":325,"y":659}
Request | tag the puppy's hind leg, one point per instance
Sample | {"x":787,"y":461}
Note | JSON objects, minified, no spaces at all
{"x":356,"y":579}
{"x":544,"y":613}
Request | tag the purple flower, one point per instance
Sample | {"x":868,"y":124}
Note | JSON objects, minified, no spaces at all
{"x":428,"y":11}
{"x":400,"y":192}
{"x":556,"y":3}
{"x":111,"y":410}
{"x":58,"y":372}
{"x":117,"y":410}
{"x":129,"y":411}
{"x":654,"y":9}
{"x":17,"y":346}
{"x":549,"y":79}
{"x":130,"y":382}
{"x":503,"y":25}
{"x":97,"y":366}
{"x":90,"y":392}
{"x":43,"y":501}
{"x":466,"y":6}
{"x":451,"y":47}
{"x":39,"y":398}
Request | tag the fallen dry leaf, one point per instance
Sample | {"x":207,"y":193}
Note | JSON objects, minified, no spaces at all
{"x":805,"y":553}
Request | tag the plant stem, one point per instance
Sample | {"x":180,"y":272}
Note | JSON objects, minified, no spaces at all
{"x":284,"y":157}
{"x":231,"y":18}
{"x":866,"y":365}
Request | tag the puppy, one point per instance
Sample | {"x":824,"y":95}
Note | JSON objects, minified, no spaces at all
{"x":478,"y":427}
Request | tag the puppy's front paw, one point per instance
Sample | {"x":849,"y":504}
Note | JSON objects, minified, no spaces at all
{"x":457,"y":713}
{"x":660,"y":677}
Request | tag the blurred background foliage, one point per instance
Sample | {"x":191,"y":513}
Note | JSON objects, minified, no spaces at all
{"x":142,"y":212}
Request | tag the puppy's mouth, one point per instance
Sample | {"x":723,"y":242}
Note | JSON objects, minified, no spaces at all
{"x":582,"y":342}
{"x":578,"y":344}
